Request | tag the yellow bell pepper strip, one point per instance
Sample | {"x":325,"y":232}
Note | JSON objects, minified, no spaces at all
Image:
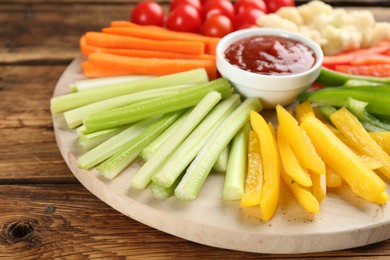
{"x":318,"y":189}
{"x":302,"y":194}
{"x":383,"y":139}
{"x":254,"y":179}
{"x":362,"y":180}
{"x":299,"y":141}
{"x":333,"y":180}
{"x":357,"y":135}
{"x":271,"y":166}
{"x":290,"y":162}
{"x":303,"y":110}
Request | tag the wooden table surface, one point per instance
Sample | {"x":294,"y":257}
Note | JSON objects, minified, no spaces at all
{"x":45,"y":212}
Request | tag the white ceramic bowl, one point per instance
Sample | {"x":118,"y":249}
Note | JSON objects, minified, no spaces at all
{"x":270,"y":89}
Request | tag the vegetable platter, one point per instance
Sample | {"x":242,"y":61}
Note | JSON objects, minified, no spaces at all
{"x":345,"y":220}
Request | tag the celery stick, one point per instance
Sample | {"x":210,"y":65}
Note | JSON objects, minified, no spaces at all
{"x":233,"y":188}
{"x":187,"y":151}
{"x":76,"y":116}
{"x":87,"y":84}
{"x":222,"y":161}
{"x":73,"y":100}
{"x":161,"y":192}
{"x":106,"y":149}
{"x":180,"y":100}
{"x":199,"y":169}
{"x":143,"y":176}
{"x":89,"y":141}
{"x":130,"y":151}
{"x":149,"y":150}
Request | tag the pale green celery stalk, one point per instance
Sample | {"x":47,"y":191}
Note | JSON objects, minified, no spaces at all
{"x":143,"y":176}
{"x":199,"y":169}
{"x":106,"y":149}
{"x":187,"y":151}
{"x":161,"y":192}
{"x":76,"y":116}
{"x":89,"y":141}
{"x":222,"y":161}
{"x":182,"y":99}
{"x":130,"y":151}
{"x":73,"y":100}
{"x":233,"y":188}
{"x":149,"y":150}
{"x":87,"y":84}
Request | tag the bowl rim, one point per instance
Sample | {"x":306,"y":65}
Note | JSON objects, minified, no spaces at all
{"x":230,"y":38}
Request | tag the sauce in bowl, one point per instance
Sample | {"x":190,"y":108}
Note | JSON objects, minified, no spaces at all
{"x":270,"y":55}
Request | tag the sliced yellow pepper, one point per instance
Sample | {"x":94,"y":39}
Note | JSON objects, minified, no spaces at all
{"x":254,"y":178}
{"x":290,"y":162}
{"x":362,"y":180}
{"x":299,"y":141}
{"x":319,"y":185}
{"x":271,"y":166}
{"x":383,"y":139}
{"x":357,"y":135}
{"x":303,"y":110}
{"x":333,"y":180}
{"x":302,"y":194}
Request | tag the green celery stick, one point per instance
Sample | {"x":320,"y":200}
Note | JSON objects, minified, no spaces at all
{"x":131,"y":150}
{"x":180,"y":100}
{"x":106,"y":149}
{"x":76,"y":116}
{"x":89,"y":141}
{"x":73,"y":100}
{"x":199,"y":169}
{"x":176,"y":164}
{"x":87,"y":84}
{"x":362,"y":83}
{"x":222,"y":161}
{"x":143,"y":176}
{"x":233,"y":188}
{"x":161,"y":192}
{"x":149,"y":150}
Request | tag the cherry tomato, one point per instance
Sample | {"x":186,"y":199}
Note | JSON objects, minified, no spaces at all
{"x":274,"y":5}
{"x":240,"y":5}
{"x":213,"y":7}
{"x":184,"y":18}
{"x":247,"y":17}
{"x":148,"y":13}
{"x":217,"y":26}
{"x":195,"y":3}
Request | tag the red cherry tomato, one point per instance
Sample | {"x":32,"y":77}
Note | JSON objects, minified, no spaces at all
{"x":213,"y":7}
{"x":195,"y":3}
{"x":217,"y":26}
{"x":148,"y":13}
{"x":240,"y":5}
{"x":247,"y":26}
{"x":274,"y":5}
{"x":247,"y":17}
{"x":184,"y":18}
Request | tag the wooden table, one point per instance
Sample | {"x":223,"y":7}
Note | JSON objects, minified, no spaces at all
{"x":45,"y":212}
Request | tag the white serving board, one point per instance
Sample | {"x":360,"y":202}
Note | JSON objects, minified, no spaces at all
{"x":345,"y":221}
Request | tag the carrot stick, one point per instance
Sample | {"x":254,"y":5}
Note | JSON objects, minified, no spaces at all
{"x":159,"y":33}
{"x":371,"y":59}
{"x":377,"y":70}
{"x":104,"y":40}
{"x":88,"y":49}
{"x":115,"y":64}
{"x":94,"y":71}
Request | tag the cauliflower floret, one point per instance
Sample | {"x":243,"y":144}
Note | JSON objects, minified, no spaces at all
{"x":290,"y":13}
{"x":311,"y":34}
{"x":337,"y":18}
{"x":381,"y":32}
{"x":312,"y":9}
{"x":364,"y":21}
{"x":275,"y":21}
{"x":340,"y":39}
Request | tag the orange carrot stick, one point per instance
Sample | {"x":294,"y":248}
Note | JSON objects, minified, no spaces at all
{"x":159,"y":33}
{"x":114,"y":64}
{"x":95,"y":71}
{"x":88,"y":49}
{"x":104,"y":40}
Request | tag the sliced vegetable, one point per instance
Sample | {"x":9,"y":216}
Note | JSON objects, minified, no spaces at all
{"x":199,"y":169}
{"x":377,"y":70}
{"x":383,"y":139}
{"x":89,"y":141}
{"x":333,"y":180}
{"x":222,"y":161}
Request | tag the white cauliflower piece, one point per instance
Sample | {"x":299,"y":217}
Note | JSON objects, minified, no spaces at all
{"x":337,"y":18}
{"x":313,"y":9}
{"x":290,"y":13}
{"x":381,"y":32}
{"x":275,"y":21}
{"x":340,"y":39}
{"x":364,"y":22}
{"x":311,"y":34}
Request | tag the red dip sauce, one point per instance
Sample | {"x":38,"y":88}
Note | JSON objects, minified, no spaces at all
{"x":270,"y":55}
